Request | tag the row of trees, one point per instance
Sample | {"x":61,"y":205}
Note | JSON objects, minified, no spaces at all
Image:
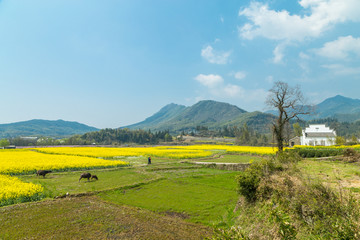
{"x":244,"y":135}
{"x":102,"y":137}
{"x":121,"y":136}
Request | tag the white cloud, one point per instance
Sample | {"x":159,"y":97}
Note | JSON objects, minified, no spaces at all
{"x":218,"y":89}
{"x":291,"y":28}
{"x":240,"y":75}
{"x":304,"y":56}
{"x":210,"y":80}
{"x":340,"y":48}
{"x":281,"y":25}
{"x":213,"y":56}
{"x":278,"y":54}
{"x":231,"y":90}
{"x":340,"y":69}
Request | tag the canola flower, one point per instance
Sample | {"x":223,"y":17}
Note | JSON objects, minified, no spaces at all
{"x":13,"y":188}
{"x":327,"y":147}
{"x":23,"y":161}
{"x":167,"y":152}
{"x":174,"y":152}
{"x":235,"y":149}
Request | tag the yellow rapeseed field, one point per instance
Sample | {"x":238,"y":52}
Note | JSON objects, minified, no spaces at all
{"x":234,"y":149}
{"x":175,"y":152}
{"x":22,"y":161}
{"x":327,"y":147}
{"x":25,"y":161}
{"x":162,"y":152}
{"x":13,"y":188}
{"x":19,"y":161}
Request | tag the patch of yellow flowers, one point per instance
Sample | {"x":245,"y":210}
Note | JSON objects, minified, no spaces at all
{"x":328,"y":147}
{"x":13,"y":188}
{"x":24,"y":161}
{"x":162,"y":152}
{"x":174,"y":152}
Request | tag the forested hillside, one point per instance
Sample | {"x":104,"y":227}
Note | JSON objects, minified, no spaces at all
{"x":38,"y":127}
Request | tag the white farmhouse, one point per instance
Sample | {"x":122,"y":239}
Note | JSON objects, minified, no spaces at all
{"x":318,"y":135}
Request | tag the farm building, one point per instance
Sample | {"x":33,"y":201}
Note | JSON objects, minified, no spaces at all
{"x":318,"y":135}
{"x":315,"y":135}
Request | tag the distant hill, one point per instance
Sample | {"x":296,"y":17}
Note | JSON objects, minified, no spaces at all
{"x":37,"y":127}
{"x":165,"y":114}
{"x":211,"y":114}
{"x":342,"y":108}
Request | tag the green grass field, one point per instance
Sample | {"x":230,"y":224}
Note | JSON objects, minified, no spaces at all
{"x":335,"y":173}
{"x":58,"y":184}
{"x":168,"y":199}
{"x":204,"y":198}
{"x":89,"y":217}
{"x":233,"y":158}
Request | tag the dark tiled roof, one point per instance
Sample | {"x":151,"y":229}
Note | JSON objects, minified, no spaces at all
{"x":320,"y":134}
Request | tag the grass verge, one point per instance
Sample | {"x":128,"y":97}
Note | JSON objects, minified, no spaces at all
{"x":92,"y":218}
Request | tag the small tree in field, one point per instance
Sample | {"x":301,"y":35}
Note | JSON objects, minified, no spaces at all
{"x":297,"y":129}
{"x":290,"y":104}
{"x":4,"y":143}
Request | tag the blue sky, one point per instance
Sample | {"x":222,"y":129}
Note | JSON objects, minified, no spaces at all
{"x":114,"y":63}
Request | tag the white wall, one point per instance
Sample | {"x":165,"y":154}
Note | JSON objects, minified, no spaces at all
{"x":315,"y":141}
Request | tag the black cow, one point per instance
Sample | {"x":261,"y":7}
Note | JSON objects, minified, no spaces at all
{"x":85,"y":175}
{"x":42,"y":172}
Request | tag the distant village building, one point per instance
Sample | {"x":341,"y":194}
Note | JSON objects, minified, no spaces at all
{"x":9,"y":147}
{"x":315,"y":135}
{"x":318,"y":135}
{"x":295,"y":141}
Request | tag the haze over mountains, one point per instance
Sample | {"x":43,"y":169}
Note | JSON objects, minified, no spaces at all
{"x":177,"y":118}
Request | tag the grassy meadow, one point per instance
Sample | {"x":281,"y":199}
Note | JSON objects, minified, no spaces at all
{"x":172,"y":198}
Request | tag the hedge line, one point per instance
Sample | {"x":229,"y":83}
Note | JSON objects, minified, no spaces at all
{"x":319,"y":152}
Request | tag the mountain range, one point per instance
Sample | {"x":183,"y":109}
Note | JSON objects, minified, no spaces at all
{"x":207,"y":113}
{"x":342,"y":108}
{"x":177,"y":118}
{"x":49,"y":128}
{"x":214,"y":114}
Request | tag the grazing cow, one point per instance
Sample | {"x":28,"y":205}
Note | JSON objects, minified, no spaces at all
{"x":85,"y":175}
{"x":94,"y":177}
{"x":42,"y":172}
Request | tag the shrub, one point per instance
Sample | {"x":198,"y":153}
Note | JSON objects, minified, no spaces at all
{"x":316,"y":152}
{"x":248,"y":181}
{"x":350,"y":152}
{"x":287,"y":205}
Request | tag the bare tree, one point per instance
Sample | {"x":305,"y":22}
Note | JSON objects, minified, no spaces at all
{"x":290,"y":103}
